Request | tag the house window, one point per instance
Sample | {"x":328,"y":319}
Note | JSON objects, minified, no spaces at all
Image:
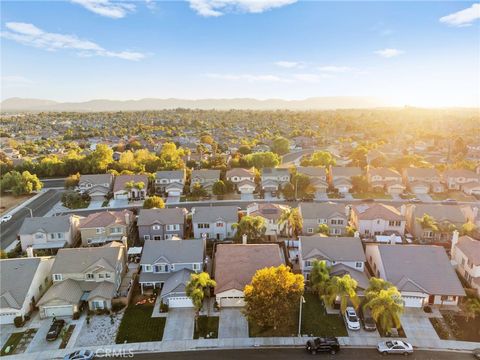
{"x":219,"y":224}
{"x":89,"y":276}
{"x":157,"y":237}
{"x":59,"y":235}
{"x":196,"y":267}
{"x":57,"y":277}
{"x":156,"y":227}
{"x":147,"y":268}
{"x":96,"y":304}
{"x":204,"y":226}
{"x":116,"y":230}
{"x":358,"y":264}
{"x":339,"y":222}
{"x":98,"y":230}
{"x":310,"y":230}
{"x":333,"y":222}
{"x":52,"y":236}
{"x":38,"y":236}
{"x":308,"y":263}
{"x":101,"y":276}
{"x":428,"y":234}
{"x":322,"y":221}
{"x":107,"y":275}
{"x":146,"y":237}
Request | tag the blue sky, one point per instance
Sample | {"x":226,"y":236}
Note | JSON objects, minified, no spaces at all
{"x":415,"y":53}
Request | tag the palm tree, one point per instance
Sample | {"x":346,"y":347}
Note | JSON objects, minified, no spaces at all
{"x":293,"y":219}
{"x":428,"y":222}
{"x":319,"y":277}
{"x":344,"y":288}
{"x":386,"y":306}
{"x":129,"y":185}
{"x":375,"y":286}
{"x":195,"y":290}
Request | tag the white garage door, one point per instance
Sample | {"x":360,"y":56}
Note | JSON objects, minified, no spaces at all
{"x":176,"y":302}
{"x":412,"y":301}
{"x":121,"y":196}
{"x":420,"y":190}
{"x":58,"y":311}
{"x":232,"y":302}
{"x":7,"y":318}
{"x":174,"y":193}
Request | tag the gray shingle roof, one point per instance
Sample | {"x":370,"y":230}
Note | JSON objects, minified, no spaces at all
{"x":48,"y":224}
{"x":421,"y":172}
{"x":170,"y":174}
{"x":332,"y":248}
{"x":209,"y":214}
{"x":453,"y":213}
{"x":99,"y":179}
{"x":324,"y":210}
{"x":348,"y":171}
{"x":207,"y":174}
{"x":173,"y":251}
{"x":161,"y":216}
{"x":312,"y":171}
{"x":176,"y":282}
{"x":471,"y":248}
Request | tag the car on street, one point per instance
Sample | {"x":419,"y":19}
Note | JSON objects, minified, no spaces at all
{"x":367,"y":320}
{"x":351,"y":319}
{"x":450,"y":202}
{"x":6,"y":218}
{"x":329,"y":344}
{"x":476,"y":353}
{"x":394,"y":347}
{"x":80,"y":355}
{"x":415,"y":200}
{"x":55,"y":330}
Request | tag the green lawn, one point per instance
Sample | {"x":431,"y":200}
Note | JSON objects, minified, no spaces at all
{"x":207,"y":327}
{"x":138,"y":325}
{"x":334,"y":196}
{"x":12,"y":341}
{"x":371,"y":195}
{"x":457,"y":195}
{"x":256,"y":331}
{"x":316,"y":322}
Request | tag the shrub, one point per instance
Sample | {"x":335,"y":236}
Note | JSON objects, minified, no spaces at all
{"x":116,"y":307}
{"x":76,"y":315}
{"x":427,"y":309}
{"x":18,"y":321}
{"x":163,"y":307}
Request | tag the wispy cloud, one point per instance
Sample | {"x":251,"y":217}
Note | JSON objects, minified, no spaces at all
{"x":247,"y":77}
{"x":30,"y":35}
{"x":335,"y":69}
{"x":216,"y":8}
{"x":115,"y":10}
{"x":311,"y":77}
{"x":389,"y":52}
{"x":16,"y":81}
{"x":289,"y":64}
{"x":464,"y":17}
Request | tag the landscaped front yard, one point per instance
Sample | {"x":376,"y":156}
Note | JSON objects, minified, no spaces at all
{"x":456,"y":327}
{"x":138,"y":326}
{"x":316,"y":322}
{"x":456,"y":195}
{"x":18,"y":342}
{"x":207,"y":327}
{"x":371,"y":195}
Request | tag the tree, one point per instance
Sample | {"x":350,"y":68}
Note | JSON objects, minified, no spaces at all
{"x":344,"y":288}
{"x":288,"y":191}
{"x":244,"y":149}
{"x":319,"y":277}
{"x":153,"y":202}
{"x":359,"y":156}
{"x":260,"y":160}
{"x":100,"y":159}
{"x":428,"y":222}
{"x":252,"y":226}
{"x":20,"y":183}
{"x":468,"y":228}
{"x":471,"y":307}
{"x":195,"y":289}
{"x":272,"y":297}
{"x":293,"y":219}
{"x":280,"y":145}
{"x":350,"y":230}
{"x":360,"y":183}
{"x":219,"y":188}
{"x":323,"y":229}
{"x":303,"y":187}
{"x":319,"y":158}
{"x":72,"y":181}
{"x":198,"y":191}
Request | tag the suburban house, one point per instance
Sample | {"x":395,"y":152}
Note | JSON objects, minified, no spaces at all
{"x":243,"y":180}
{"x":465,"y":254}
{"x":97,"y":186}
{"x":423,"y":180}
{"x":273,"y":179}
{"x":385,"y":179}
{"x":235,"y":265}
{"x":167,"y":265}
{"x":161,"y":224}
{"x":377,"y":219}
{"x":457,"y":179}
{"x":23,"y":282}
{"x":205,"y":177}
{"x":446,"y":217}
{"x":340,"y":178}
{"x":471,"y":188}
{"x":129,"y":187}
{"x":170,"y":182}
{"x":422,"y":273}
{"x":87,"y":276}
{"x":214,"y":222}
{"x":317,"y":175}
{"x":344,"y":255}
{"x":106,"y":226}
{"x":272,"y":214}
{"x":335,"y":215}
{"x":48,"y":233}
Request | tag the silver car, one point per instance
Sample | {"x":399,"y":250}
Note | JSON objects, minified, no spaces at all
{"x":80,"y":355}
{"x":394,"y":347}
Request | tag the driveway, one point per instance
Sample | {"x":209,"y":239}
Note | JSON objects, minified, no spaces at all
{"x":247,"y":197}
{"x":321,"y":196}
{"x":179,"y":325}
{"x":232,"y":324}
{"x":424,"y":197}
{"x":348,"y":196}
{"x":39,"y":343}
{"x":173,"y":199}
{"x":416,"y":325}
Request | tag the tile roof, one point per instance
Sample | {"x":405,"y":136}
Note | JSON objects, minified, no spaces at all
{"x":161,"y":216}
{"x":173,"y":251}
{"x":471,"y":248}
{"x":106,"y":218}
{"x":377,"y":211}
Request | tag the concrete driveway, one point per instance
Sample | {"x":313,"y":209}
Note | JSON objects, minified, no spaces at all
{"x":416,"y":325}
{"x":232,"y":324}
{"x":179,"y":325}
{"x":39,"y":343}
{"x":424,"y":197}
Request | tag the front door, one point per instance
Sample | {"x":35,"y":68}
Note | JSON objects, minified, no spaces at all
{"x":431,"y":299}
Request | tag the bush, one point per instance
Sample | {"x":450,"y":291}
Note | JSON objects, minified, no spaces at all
{"x":163,"y":307}
{"x":76,"y":315}
{"x":116,"y":307}
{"x":427,"y":309}
{"x":18,"y":321}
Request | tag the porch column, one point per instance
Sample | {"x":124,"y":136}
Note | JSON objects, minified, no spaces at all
{"x":141,"y":286}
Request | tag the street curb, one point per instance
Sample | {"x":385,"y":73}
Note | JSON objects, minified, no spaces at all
{"x":23,"y":204}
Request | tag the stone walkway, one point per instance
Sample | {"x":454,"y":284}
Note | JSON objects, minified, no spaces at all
{"x":100,"y":331}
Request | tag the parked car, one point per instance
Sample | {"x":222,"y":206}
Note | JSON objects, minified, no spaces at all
{"x":476,"y":353}
{"x":450,"y":202}
{"x":415,"y":200}
{"x":394,"y":347}
{"x":368,"y":322}
{"x":351,"y":318}
{"x":329,"y":345}
{"x":80,"y":355}
{"x":6,"y":218}
{"x":55,"y":330}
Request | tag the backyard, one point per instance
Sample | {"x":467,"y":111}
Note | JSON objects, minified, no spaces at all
{"x":138,"y":326}
{"x":207,"y":327}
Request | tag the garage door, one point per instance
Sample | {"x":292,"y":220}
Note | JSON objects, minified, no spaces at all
{"x":174,"y":193}
{"x":7,"y":318}
{"x":412,"y":301}
{"x":232,"y":302}
{"x":58,"y":311}
{"x":177,"y":302}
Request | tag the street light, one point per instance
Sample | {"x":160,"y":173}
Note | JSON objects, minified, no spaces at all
{"x":302,"y":301}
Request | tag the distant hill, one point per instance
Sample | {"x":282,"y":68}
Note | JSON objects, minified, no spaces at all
{"x":317,"y":103}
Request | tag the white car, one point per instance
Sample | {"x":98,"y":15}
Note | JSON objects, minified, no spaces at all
{"x":394,"y":347}
{"x":6,"y":218}
{"x":351,"y":318}
{"x":80,"y":355}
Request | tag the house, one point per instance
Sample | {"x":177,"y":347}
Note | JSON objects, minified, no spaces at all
{"x":242,"y":179}
{"x":90,"y":276}
{"x":423,"y":180}
{"x":274,"y":179}
{"x":471,"y":188}
{"x":422,"y":273}
{"x":106,"y":226}
{"x":48,"y":233}
{"x":377,"y":219}
{"x":465,"y":254}
{"x":236,"y":264}
{"x":129,"y":187}
{"x":340,"y":178}
{"x":97,"y":186}
{"x":214,"y":222}
{"x":205,"y":177}
{"x":385,"y":179}
{"x":272,"y":214}
{"x":317,"y":176}
{"x":456,"y":178}
{"x":170,"y":182}
{"x":161,"y":224}
{"x":23,"y":282}
{"x":167,"y":265}
{"x":335,"y":215}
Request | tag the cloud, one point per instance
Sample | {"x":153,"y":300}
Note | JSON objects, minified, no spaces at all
{"x":16,"y":81}
{"x":389,"y":53}
{"x":115,"y":10}
{"x":247,"y":77}
{"x":30,"y":35}
{"x":289,"y":64}
{"x":311,"y":78}
{"x":215,"y":8}
{"x":463,"y":17}
{"x":335,"y":69}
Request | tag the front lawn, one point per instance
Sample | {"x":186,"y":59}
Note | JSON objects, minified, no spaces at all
{"x":207,"y":327}
{"x":12,"y":341}
{"x":456,"y":195}
{"x":334,"y":195}
{"x":316,"y":322}
{"x":462,"y":329}
{"x":371,"y":195}
{"x":291,"y":330}
{"x":138,"y":326}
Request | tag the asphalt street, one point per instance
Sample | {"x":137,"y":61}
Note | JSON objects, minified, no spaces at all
{"x":53,"y":183}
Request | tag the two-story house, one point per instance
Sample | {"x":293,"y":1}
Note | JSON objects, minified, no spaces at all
{"x":48,"y":233}
{"x":205,"y":177}
{"x":170,"y":182}
{"x":90,"y":276}
{"x":272,"y":214}
{"x":97,"y":186}
{"x":242,"y":179}
{"x":457,"y":179}
{"x":334,"y":215}
{"x":385,"y":179}
{"x":214,"y":222}
{"x":274,"y":179}
{"x":106,"y":226}
{"x":168,"y":264}
{"x":340,"y":178}
{"x":377,"y":219}
{"x":423,"y":180}
{"x":130,"y":187}
{"x":465,"y":253}
{"x":161,"y":224}
{"x":317,"y":176}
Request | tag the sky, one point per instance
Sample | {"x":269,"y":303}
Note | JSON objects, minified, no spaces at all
{"x":404,"y":52}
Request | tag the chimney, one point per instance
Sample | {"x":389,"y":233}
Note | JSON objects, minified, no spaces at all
{"x":125,"y":242}
{"x":244,"y":239}
{"x":348,"y":208}
{"x":357,"y":234}
{"x":454,"y":239}
{"x":30,"y":252}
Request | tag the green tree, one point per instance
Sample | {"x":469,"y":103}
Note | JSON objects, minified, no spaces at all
{"x":100,"y":159}
{"x":323,"y":229}
{"x":244,"y":149}
{"x":280,"y":145}
{"x":428,"y":222}
{"x":153,"y":202}
{"x":219,"y":188}
{"x":319,"y":158}
{"x":260,"y":160}
{"x":72,"y":181}
{"x":350,"y":231}
{"x":468,"y":228}
{"x":252,"y":226}
{"x":198,"y":191}
{"x":196,"y":287}
{"x":360,"y":183}
{"x":320,"y":277}
{"x":20,"y":183}
{"x":471,"y":307}
{"x":293,"y":220}
{"x":343,"y":288}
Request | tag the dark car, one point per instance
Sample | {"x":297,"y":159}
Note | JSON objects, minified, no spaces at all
{"x":476,"y":353}
{"x":329,"y":345}
{"x":55,"y":330}
{"x":367,"y":320}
